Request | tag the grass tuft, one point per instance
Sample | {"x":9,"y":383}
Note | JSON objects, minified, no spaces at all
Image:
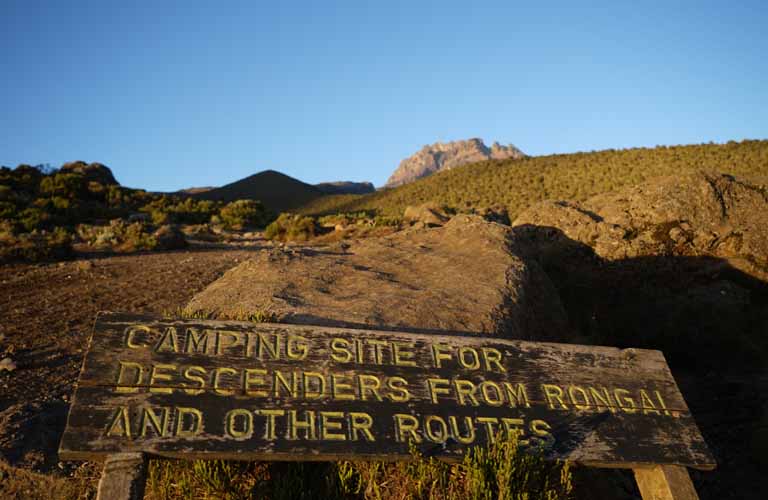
{"x":242,"y":315}
{"x":501,"y":470}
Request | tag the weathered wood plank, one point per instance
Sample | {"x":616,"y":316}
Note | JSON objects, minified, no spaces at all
{"x":239,"y":390}
{"x":123,"y":478}
{"x":668,"y":482}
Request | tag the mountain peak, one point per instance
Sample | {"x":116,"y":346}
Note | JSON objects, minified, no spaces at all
{"x":444,"y":156}
{"x":276,"y":190}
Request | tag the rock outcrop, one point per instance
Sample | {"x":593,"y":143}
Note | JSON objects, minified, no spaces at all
{"x":461,"y":277}
{"x":695,"y":214}
{"x":428,"y":214}
{"x":444,"y":156}
{"x":95,"y":172}
{"x":678,"y":264}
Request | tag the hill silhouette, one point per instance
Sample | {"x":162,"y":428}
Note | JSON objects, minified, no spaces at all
{"x":346,"y":187}
{"x":515,"y":184}
{"x":277,"y":191}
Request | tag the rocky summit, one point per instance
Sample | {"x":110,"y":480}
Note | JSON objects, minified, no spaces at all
{"x":444,"y":156}
{"x":460,"y":277}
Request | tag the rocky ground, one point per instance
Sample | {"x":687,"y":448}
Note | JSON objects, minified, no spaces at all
{"x":46,"y":312}
{"x":460,"y":277}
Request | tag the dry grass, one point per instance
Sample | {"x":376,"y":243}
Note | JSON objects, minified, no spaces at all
{"x":499,"y":471}
{"x":22,"y":484}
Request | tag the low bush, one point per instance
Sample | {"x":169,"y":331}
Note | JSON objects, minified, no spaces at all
{"x":241,"y":214}
{"x":201,"y":232}
{"x":170,"y":210}
{"x":169,"y":237}
{"x":119,"y":236}
{"x":364,"y":218}
{"x":291,"y":227}
{"x":500,"y":470}
{"x":72,"y":186}
{"x":35,"y":246}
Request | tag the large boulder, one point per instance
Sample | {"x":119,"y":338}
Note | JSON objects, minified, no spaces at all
{"x":429,"y":214}
{"x":678,"y":264}
{"x":695,"y":214}
{"x":461,"y":277}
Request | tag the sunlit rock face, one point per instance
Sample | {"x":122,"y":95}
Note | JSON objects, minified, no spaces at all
{"x":444,"y":156}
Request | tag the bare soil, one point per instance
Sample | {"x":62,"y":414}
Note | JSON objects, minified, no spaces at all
{"x":46,"y":315}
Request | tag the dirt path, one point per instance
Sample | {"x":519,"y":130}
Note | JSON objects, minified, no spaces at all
{"x":46,"y":313}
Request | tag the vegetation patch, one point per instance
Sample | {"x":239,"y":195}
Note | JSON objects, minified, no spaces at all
{"x":242,"y":214}
{"x":118,"y":235}
{"x":292,"y":227}
{"x":516,"y":184}
{"x":362,"y":218}
{"x":171,"y":210}
{"x":21,"y":484}
{"x":500,"y":470}
{"x":35,"y":246}
{"x":44,"y":211}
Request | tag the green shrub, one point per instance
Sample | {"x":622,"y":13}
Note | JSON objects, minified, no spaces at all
{"x":23,"y":181}
{"x":244,"y":213}
{"x":291,"y":227}
{"x":6,"y":193}
{"x":500,"y":470}
{"x":72,"y":186}
{"x":118,"y":235}
{"x":160,"y":217}
{"x":33,"y":218}
{"x":7,"y":210}
{"x":367,"y":218}
{"x":35,"y":246}
{"x":97,"y":191}
{"x":171,"y":210}
{"x":60,"y":203}
{"x":114,"y":196}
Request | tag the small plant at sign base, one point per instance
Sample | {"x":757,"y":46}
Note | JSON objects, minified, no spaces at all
{"x":500,"y":470}
{"x":259,"y":316}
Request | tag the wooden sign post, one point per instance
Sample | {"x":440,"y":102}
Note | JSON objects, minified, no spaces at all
{"x":233,"y":390}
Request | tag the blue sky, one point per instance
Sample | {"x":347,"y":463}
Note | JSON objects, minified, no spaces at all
{"x":179,"y":94}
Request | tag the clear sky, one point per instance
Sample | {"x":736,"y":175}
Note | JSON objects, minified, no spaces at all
{"x":178,"y":94}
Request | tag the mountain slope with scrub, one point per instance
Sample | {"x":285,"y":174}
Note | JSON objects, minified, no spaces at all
{"x":513,"y":185}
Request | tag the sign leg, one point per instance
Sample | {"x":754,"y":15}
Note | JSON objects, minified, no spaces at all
{"x":123,"y":477}
{"x":665,"y":482}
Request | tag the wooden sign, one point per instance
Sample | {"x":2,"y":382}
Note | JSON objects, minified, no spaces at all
{"x":235,"y":390}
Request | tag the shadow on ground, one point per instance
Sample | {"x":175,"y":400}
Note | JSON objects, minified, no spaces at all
{"x":709,"y":319}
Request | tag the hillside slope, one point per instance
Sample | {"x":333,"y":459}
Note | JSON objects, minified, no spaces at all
{"x":346,"y":187}
{"x":517,"y":184}
{"x":275,"y":190}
